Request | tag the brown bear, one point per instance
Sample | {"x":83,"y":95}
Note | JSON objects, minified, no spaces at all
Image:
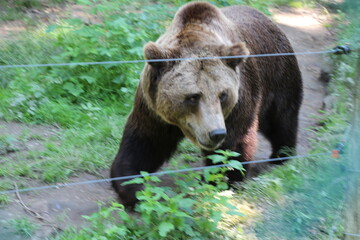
{"x":216,"y":103}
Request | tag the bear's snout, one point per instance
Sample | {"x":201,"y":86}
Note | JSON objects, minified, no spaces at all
{"x":217,"y":135}
{"x":213,"y":140}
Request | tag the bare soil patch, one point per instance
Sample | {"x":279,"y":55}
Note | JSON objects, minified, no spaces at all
{"x":47,"y":15}
{"x":306,"y":31}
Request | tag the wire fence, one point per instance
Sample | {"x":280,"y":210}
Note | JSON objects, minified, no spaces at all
{"x":339,"y":149}
{"x":159,"y":173}
{"x":337,"y":50}
{"x":352,"y":234}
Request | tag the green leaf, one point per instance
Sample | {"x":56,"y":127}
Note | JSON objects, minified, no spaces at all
{"x":73,"y":89}
{"x":119,"y":79}
{"x":157,"y":190}
{"x":88,"y":78}
{"x":189,"y":231}
{"x":146,"y":176}
{"x":154,"y":179}
{"x":104,"y":52}
{"x":164,"y":228}
{"x":236,"y":164}
{"x":217,"y":158}
{"x":227,"y":153}
{"x":119,"y":23}
{"x":144,"y":173}
{"x":182,"y":215}
{"x":219,"y":151}
{"x":207,"y":175}
{"x":117,"y":205}
{"x":136,"y":50}
{"x":232,"y":154}
{"x":186,"y":203}
{"x":222,"y":185}
{"x":116,"y":231}
{"x":134,"y":181}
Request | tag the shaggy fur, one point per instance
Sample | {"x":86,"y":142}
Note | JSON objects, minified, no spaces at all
{"x":194,"y":98}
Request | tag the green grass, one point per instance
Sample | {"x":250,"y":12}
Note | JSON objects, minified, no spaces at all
{"x":85,"y":146}
{"x":301,"y":197}
{"x":24,"y":226}
{"x":7,"y":144}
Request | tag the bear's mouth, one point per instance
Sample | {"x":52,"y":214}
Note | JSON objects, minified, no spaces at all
{"x":209,"y":147}
{"x":205,"y":145}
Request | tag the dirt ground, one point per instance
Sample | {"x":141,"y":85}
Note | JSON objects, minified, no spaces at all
{"x":9,"y":30}
{"x":64,"y":207}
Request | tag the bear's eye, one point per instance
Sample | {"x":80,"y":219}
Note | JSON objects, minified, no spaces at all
{"x":223,"y":97}
{"x":193,"y":99}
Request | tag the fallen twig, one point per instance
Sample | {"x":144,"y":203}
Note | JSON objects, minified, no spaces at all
{"x":26,"y":208}
{"x":34,"y":213}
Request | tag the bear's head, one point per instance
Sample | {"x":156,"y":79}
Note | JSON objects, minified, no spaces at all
{"x":194,"y":95}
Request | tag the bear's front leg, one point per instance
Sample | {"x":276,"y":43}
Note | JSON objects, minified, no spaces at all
{"x":146,"y":144}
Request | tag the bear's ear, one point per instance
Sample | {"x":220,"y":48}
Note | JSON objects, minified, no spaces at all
{"x":154,"y":51}
{"x":238,"y":49}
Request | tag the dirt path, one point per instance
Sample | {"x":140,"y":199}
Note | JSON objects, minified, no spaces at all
{"x":64,"y":207}
{"x":306,"y":32}
{"x":47,"y":15}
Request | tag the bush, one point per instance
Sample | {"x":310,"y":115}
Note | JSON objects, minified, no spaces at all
{"x":191,"y":210}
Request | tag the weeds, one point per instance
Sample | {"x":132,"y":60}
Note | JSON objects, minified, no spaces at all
{"x":24,"y":226}
{"x":193,"y":209}
{"x":7,"y":144}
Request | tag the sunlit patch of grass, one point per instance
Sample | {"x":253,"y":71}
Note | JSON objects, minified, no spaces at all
{"x":237,"y":225}
{"x":89,"y":148}
{"x":87,"y":144}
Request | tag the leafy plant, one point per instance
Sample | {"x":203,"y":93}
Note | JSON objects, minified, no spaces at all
{"x":216,"y":175}
{"x":191,"y":210}
{"x":116,"y":37}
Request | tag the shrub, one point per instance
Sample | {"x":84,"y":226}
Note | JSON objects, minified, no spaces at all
{"x":192,"y":209}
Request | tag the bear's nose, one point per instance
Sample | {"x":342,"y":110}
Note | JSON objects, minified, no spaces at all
{"x":217,"y":135}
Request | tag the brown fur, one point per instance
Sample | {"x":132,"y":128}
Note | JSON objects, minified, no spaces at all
{"x":194,"y":98}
